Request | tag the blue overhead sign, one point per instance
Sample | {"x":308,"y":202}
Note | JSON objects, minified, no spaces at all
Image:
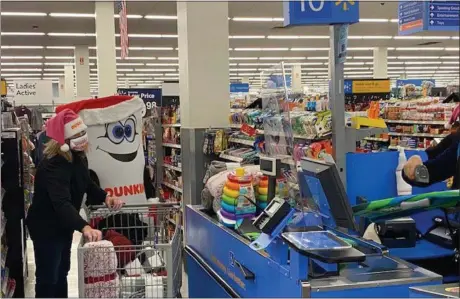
{"x":239,"y":87}
{"x":443,"y":15}
{"x":416,"y":16}
{"x":149,"y":95}
{"x":320,"y":12}
{"x":416,"y":82}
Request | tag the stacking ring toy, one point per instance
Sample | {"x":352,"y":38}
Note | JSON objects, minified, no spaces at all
{"x":263,"y":191}
{"x":229,"y":200}
{"x":231,"y":193}
{"x":232,"y":185}
{"x":262,"y":198}
{"x":227,"y":207}
{"x":234,"y":216}
{"x":263,"y":183}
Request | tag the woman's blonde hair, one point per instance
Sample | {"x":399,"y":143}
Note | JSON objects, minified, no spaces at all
{"x":52,"y":148}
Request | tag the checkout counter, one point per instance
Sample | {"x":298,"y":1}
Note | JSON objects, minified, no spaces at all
{"x":303,"y":254}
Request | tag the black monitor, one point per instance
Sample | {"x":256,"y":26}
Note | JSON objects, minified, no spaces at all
{"x":320,"y":180}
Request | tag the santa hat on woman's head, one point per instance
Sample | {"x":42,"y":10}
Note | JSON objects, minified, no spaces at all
{"x":455,"y":116}
{"x":64,"y":125}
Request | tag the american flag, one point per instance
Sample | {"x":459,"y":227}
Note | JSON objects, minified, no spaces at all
{"x":120,"y":7}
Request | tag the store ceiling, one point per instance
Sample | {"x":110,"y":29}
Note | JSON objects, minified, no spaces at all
{"x":255,"y":42}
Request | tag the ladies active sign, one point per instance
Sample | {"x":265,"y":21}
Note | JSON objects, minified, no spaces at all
{"x":115,"y":152}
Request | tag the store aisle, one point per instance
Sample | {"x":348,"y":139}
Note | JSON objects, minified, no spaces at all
{"x":73,"y":274}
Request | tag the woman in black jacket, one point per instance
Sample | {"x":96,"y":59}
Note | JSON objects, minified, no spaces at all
{"x":61,"y":180}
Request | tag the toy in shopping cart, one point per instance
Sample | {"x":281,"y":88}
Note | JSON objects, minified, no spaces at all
{"x":234,"y":204}
{"x":114,"y":132}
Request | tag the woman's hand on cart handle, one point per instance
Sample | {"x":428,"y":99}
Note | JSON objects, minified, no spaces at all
{"x":91,"y":235}
{"x":114,"y":203}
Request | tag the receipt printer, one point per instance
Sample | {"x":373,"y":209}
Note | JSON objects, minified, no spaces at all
{"x":397,"y":233}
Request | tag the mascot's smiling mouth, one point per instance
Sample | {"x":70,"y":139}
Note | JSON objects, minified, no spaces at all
{"x":122,"y":157}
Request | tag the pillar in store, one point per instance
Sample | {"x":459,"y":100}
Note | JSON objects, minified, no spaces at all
{"x":82,"y":84}
{"x":61,"y":88}
{"x":203,"y":84}
{"x":380,"y":63}
{"x":69,"y":83}
{"x":106,"y":53}
{"x":245,"y":80}
{"x":296,"y":78}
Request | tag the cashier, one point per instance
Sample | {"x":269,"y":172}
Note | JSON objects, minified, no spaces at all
{"x":442,"y":162}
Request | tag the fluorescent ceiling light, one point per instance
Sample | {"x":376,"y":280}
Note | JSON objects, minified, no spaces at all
{"x":53,"y":70}
{"x":257,"y":19}
{"x":417,"y":57}
{"x":354,"y":63}
{"x":356,"y":68}
{"x":22,"y":14}
{"x":449,"y":67}
{"x":61,"y":47}
{"x":21,"y":63}
{"x":309,"y":49}
{"x":450,"y":57}
{"x":374,"y":20}
{"x":377,"y":37}
{"x":243,"y":58}
{"x":21,"y":57}
{"x":129,"y":16}
{"x":421,"y":67}
{"x":138,"y":58}
{"x":419,"y":49}
{"x":298,"y":37}
{"x":360,"y":49}
{"x":302,"y":63}
{"x":261,"y":49}
{"x":452,"y":49}
{"x":156,"y":70}
{"x":319,"y":58}
{"x":160,"y":17}
{"x":22,"y":33}
{"x":125,"y":70}
{"x":130,"y":64}
{"x":168,"y":58}
{"x":22,"y":47}
{"x":246,"y":36}
{"x":394,"y":20}
{"x":172,"y":75}
{"x":151,"y":48}
{"x":59,"y":57}
{"x":363,"y":57}
{"x":162,"y":64}
{"x":71,"y":34}
{"x":408,"y":37}
{"x":21,"y":70}
{"x":281,"y":58}
{"x":255,"y":64}
{"x":421,"y":62}
{"x":242,"y":70}
{"x":63,"y":63}
{"x":456,"y":37}
{"x":53,"y":74}
{"x":19,"y":75}
{"x":71,"y":15}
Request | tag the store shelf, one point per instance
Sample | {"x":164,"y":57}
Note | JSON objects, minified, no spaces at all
{"x":376,"y":139}
{"x":396,"y":147}
{"x":172,"y":187}
{"x":172,"y":167}
{"x":173,"y":145}
{"x":235,"y":126}
{"x":419,"y":122}
{"x":231,"y":158}
{"x":418,"y":135}
{"x":171,"y":125}
{"x":242,"y":141}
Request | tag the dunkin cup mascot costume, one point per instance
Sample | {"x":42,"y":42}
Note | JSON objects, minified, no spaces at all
{"x":115,"y":153}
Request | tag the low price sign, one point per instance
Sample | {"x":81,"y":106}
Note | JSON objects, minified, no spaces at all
{"x":149,"y":95}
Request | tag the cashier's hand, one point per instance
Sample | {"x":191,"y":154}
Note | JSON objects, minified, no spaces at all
{"x":114,"y":203}
{"x":409,"y":168}
{"x":90,"y":234}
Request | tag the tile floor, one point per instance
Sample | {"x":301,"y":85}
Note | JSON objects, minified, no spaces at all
{"x":73,"y":274}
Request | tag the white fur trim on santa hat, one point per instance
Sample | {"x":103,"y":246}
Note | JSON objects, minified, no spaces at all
{"x":107,"y":115}
{"x":74,"y":127}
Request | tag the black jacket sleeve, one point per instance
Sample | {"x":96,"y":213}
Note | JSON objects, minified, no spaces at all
{"x":58,"y":187}
{"x":94,"y":194}
{"x":148,"y":186}
{"x":438,"y":149}
{"x":440,"y":168}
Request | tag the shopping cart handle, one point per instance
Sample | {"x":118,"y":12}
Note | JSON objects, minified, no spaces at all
{"x":134,"y":206}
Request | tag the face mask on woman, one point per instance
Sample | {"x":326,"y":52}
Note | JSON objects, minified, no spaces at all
{"x":79,"y":144}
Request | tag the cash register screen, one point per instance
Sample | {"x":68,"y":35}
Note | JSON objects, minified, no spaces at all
{"x":319,"y":181}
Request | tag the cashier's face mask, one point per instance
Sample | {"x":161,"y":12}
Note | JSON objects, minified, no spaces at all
{"x":79,"y":144}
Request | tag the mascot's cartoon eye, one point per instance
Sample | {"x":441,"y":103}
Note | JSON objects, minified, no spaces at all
{"x":115,"y":132}
{"x":130,"y":129}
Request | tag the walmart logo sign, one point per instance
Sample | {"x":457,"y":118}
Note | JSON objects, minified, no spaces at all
{"x":320,"y":12}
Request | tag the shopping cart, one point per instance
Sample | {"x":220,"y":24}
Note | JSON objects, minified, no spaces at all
{"x":140,"y":257}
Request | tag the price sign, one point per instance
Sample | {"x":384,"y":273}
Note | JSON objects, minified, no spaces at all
{"x":151,"y":96}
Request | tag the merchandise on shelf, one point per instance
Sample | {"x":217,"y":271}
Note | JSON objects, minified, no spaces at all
{"x":425,"y":109}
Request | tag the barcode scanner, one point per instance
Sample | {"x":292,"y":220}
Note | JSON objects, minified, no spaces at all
{"x":422,"y":175}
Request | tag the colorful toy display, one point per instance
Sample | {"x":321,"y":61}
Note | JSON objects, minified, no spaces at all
{"x":234,"y":203}
{"x":262,"y":192}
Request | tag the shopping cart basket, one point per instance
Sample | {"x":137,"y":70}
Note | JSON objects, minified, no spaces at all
{"x":140,"y":255}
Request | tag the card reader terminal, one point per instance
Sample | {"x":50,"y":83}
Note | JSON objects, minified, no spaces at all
{"x":273,"y":214}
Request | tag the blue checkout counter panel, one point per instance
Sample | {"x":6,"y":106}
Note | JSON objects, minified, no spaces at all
{"x":216,"y":256}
